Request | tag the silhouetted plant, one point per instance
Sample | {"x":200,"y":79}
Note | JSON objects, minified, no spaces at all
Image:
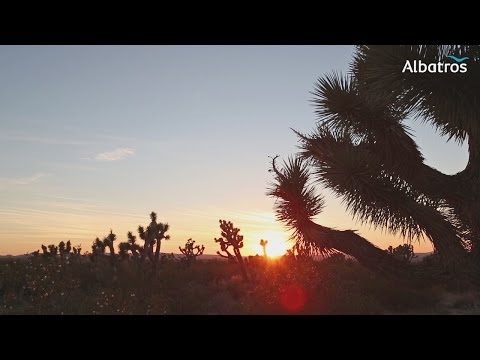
{"x":148,"y":237}
{"x":161,"y":230}
{"x":153,"y":234}
{"x":147,"y":246}
{"x":98,"y":247}
{"x":133,"y":246}
{"x":53,"y":250}
{"x":108,"y":241}
{"x":263,"y":244}
{"x":362,"y":150}
{"x":231,"y":237}
{"x":191,"y":251}
{"x":64,"y":248}
{"x":130,"y":245}
{"x":123,"y":248}
{"x":61,"y":248}
{"x":45,"y":251}
{"x":77,"y":250}
{"x":290,"y":253}
{"x":402,"y":252}
{"x":302,"y":253}
{"x":229,"y":256}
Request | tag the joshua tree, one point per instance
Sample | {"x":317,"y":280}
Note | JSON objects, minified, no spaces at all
{"x":45,"y":251}
{"x":148,"y":236}
{"x":191,"y":251}
{"x":147,"y":246}
{"x":231,"y":237}
{"x":402,"y":252}
{"x":98,"y":247}
{"x":263,"y":244}
{"x":61,"y":248}
{"x":64,"y":249}
{"x":123,"y":248}
{"x":130,"y":245}
{"x":161,"y":230}
{"x":224,"y":248}
{"x":153,"y":234}
{"x":133,"y":246}
{"x":108,"y":241}
{"x":68,"y":247}
{"x":53,"y":250}
{"x":77,"y":250}
{"x":362,"y":150}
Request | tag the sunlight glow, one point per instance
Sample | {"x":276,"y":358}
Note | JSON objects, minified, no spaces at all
{"x":277,"y":242}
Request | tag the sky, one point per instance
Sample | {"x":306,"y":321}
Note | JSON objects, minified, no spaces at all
{"x":94,"y":138}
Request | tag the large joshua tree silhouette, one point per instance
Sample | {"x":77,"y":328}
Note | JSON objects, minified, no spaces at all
{"x":231,"y":237}
{"x":362,"y":150}
{"x":153,"y":234}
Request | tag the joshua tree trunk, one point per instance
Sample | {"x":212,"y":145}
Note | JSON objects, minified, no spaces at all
{"x":241,"y":263}
{"x":297,"y":204}
{"x":145,"y":250}
{"x":350,"y":243}
{"x":148,"y":250}
{"x":378,"y":260}
{"x":362,"y":150}
{"x":157,"y":255}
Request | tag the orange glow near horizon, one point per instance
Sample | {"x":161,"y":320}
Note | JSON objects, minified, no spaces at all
{"x":277,"y":242}
{"x":25,"y":230}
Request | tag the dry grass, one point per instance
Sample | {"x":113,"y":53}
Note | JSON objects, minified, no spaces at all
{"x":334,"y":286}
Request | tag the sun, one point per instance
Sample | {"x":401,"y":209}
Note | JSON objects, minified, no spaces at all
{"x":277,"y":243}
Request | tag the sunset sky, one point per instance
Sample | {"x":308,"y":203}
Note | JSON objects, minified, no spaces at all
{"x":96,"y":137}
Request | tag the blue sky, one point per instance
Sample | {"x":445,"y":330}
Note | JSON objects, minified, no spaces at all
{"x":96,"y":137}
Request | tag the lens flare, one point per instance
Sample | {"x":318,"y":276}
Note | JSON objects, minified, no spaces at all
{"x":293,"y":297}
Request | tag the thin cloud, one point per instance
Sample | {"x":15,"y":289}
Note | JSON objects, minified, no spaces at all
{"x":114,"y":155}
{"x":23,"y":180}
{"x":16,"y":136}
